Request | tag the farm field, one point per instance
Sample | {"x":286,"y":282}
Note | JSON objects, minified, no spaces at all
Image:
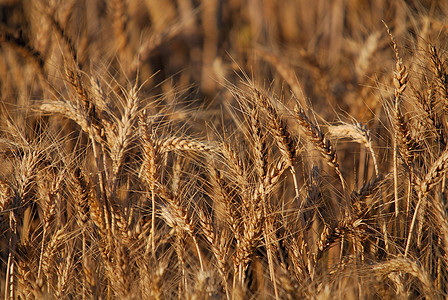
{"x":206,"y":149}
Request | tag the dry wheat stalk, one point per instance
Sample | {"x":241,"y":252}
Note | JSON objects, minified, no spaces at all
{"x":51,"y":250}
{"x":218,"y":249}
{"x":403,"y":264}
{"x":176,"y":174}
{"x":64,"y":271}
{"x":433,"y":176}
{"x":319,"y":140}
{"x":298,"y":253}
{"x":252,"y":231}
{"x":5,"y":195}
{"x":222,"y":197}
{"x":253,"y":214}
{"x":285,"y":142}
{"x":259,"y":143}
{"x":440,"y":73}
{"x":257,"y":207}
{"x":97,"y":214}
{"x":120,"y":226}
{"x":10,"y":275}
{"x":179,"y":246}
{"x":73,"y":112}
{"x":176,"y":214}
{"x":427,"y":100}
{"x":121,"y":273}
{"x":82,"y":193}
{"x":440,"y":220}
{"x":237,"y":168}
{"x":407,"y":146}
{"x":400,"y":80}
{"x":358,"y":133}
{"x":93,"y":126}
{"x":26,"y":287}
{"x":308,"y":208}
{"x":150,"y":176}
{"x":366,"y":190}
{"x":24,"y":175}
{"x":48,"y":196}
{"x":276,"y":171}
{"x":124,"y":133}
{"x":183,"y":144}
{"x":89,"y":279}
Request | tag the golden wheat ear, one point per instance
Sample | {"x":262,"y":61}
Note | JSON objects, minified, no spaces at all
{"x":320,"y":141}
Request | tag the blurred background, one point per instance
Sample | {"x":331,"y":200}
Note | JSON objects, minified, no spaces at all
{"x":334,"y":54}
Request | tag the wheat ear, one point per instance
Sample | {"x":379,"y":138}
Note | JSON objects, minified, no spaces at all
{"x":319,"y":140}
{"x":433,"y":176}
{"x":403,"y":264}
{"x":358,"y":133}
{"x":149,"y":155}
{"x":285,"y":142}
{"x":218,"y":249}
{"x":400,"y":80}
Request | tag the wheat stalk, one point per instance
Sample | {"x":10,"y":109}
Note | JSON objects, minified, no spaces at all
{"x":403,"y":264}
{"x":319,"y":140}
{"x":358,"y":133}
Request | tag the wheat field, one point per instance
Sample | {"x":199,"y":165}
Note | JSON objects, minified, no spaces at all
{"x":206,"y":149}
